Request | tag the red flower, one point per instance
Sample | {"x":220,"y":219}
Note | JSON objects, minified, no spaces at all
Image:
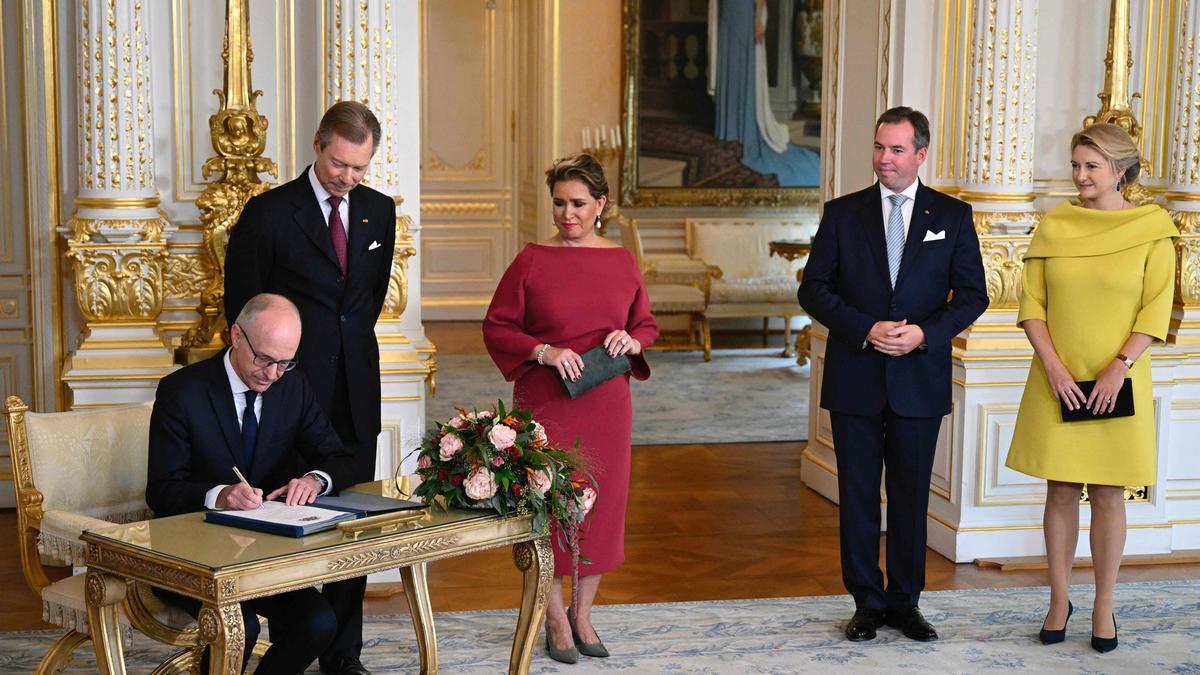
{"x":456,"y":479}
{"x":517,"y":488}
{"x":514,"y":453}
{"x":442,"y":474}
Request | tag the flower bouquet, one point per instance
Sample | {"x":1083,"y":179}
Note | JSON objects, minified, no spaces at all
{"x":503,"y":460}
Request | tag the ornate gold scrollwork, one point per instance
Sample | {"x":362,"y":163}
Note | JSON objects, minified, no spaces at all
{"x":988,"y":221}
{"x":1003,"y":258}
{"x":239,"y":136}
{"x":1187,"y":269}
{"x":118,"y":267}
{"x":396,"y":300}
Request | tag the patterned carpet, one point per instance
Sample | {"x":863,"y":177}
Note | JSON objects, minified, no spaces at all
{"x":742,"y":395}
{"x":982,"y":631}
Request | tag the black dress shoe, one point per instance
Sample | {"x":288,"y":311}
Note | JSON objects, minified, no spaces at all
{"x":351,"y":665}
{"x":911,"y":623}
{"x":1106,"y":645}
{"x":863,"y":624}
{"x":1053,"y":637}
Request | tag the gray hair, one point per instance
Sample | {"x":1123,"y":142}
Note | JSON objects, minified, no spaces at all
{"x":262,"y":303}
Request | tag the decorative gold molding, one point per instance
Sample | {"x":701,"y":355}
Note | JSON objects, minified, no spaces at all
{"x":1003,"y":260}
{"x":997,"y":197}
{"x":438,"y":165}
{"x":439,"y":208}
{"x":117,"y":202}
{"x":987,"y":221}
{"x":396,"y":300}
{"x":1187,"y":275}
{"x":186,"y":275}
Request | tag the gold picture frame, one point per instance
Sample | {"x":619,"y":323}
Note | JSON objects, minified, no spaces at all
{"x":633,"y":192}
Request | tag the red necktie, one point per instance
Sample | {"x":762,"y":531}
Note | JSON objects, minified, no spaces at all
{"x":337,"y":232}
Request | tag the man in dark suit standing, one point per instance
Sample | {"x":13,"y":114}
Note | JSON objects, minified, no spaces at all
{"x":243,"y":409}
{"x":883,"y":262}
{"x":325,"y":242}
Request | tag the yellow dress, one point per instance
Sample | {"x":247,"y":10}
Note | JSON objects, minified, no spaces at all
{"x":1094,"y":277}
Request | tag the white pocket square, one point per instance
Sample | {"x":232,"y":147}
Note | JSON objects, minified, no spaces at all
{"x":374,"y":245}
{"x":930,"y":235}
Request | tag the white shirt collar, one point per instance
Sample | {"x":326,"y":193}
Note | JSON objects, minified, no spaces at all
{"x":319,"y":190}
{"x":235,"y":383}
{"x":910,"y":191}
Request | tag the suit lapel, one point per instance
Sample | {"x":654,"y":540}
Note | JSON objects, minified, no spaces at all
{"x":310,"y":219}
{"x":922,"y":221}
{"x":360,"y":232}
{"x":872,"y":221}
{"x":221,"y":398}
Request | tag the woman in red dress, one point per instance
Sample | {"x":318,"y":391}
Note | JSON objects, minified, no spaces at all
{"x":557,"y":300}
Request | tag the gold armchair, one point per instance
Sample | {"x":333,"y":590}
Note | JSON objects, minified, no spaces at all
{"x":676,"y":285}
{"x":75,"y":471}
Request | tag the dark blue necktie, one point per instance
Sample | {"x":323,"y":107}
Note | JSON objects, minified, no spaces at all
{"x":249,"y":428}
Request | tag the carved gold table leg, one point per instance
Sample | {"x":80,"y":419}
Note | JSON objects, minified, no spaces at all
{"x":536,"y":560}
{"x":416,"y":589}
{"x":104,"y":595}
{"x":803,"y":340}
{"x":222,"y":630}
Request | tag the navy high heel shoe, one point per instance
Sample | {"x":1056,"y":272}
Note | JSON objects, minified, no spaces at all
{"x":1105,"y":645}
{"x":1053,"y":637}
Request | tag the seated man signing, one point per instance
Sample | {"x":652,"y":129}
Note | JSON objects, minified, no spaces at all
{"x":242,"y":408}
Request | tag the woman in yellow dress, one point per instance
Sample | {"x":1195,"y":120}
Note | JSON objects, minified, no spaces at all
{"x":1097,"y":291}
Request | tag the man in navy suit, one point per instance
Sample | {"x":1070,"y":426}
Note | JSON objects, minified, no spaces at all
{"x":243,"y":408}
{"x":326,"y":242}
{"x":883,"y":264}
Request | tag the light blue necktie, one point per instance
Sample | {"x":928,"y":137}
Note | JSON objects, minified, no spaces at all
{"x":895,"y":236}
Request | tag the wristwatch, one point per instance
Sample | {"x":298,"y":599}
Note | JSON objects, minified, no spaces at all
{"x":1126,"y":360}
{"x":320,"y":481}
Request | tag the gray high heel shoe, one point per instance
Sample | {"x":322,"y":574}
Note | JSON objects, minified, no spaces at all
{"x":568,"y":655}
{"x":595,"y":649}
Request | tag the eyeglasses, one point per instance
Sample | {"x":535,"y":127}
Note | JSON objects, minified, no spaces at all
{"x":265,"y":361}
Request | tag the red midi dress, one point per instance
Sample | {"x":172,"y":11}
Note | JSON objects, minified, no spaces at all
{"x":572,"y":297}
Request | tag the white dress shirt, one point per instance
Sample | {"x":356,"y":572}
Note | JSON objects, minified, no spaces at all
{"x":906,"y":208}
{"x":239,"y":389}
{"x":323,"y":201}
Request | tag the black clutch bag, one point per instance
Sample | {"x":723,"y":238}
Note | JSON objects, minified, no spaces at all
{"x":598,"y":368}
{"x":1122,"y":408}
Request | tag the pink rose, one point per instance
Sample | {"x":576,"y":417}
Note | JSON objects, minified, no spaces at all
{"x":539,"y":432}
{"x":502,"y":436}
{"x":423,"y":462}
{"x":480,"y":484}
{"x":586,"y":500}
{"x":497,"y":460}
{"x":540,"y":481}
{"x":486,"y":414}
{"x":449,"y":446}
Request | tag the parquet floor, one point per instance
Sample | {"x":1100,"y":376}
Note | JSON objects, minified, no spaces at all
{"x":705,"y":522}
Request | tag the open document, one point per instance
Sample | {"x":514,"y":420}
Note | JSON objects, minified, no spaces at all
{"x":279,"y":518}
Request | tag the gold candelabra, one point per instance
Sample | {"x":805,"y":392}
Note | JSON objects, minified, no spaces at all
{"x":239,"y":136}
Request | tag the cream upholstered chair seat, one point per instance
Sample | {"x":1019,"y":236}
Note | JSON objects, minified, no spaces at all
{"x":675,"y":285}
{"x":76,"y":471}
{"x":753,"y":290}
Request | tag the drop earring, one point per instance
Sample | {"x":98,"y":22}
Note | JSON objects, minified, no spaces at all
{"x":1118,"y":185}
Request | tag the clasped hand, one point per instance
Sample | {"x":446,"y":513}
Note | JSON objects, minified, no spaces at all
{"x":570,"y":364}
{"x":1103,"y":398}
{"x":242,"y":497}
{"x":895,"y":338}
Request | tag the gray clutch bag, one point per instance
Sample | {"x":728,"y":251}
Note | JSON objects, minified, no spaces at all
{"x":598,"y":368}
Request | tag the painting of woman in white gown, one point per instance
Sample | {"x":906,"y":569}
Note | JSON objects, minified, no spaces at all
{"x":723,"y":105}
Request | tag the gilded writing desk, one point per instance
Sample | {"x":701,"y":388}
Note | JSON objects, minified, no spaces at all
{"x":222,"y":566}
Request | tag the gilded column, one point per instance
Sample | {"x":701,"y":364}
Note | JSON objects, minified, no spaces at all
{"x":117,"y":237}
{"x":1183,"y":175}
{"x":998,"y":173}
{"x":371,"y":56}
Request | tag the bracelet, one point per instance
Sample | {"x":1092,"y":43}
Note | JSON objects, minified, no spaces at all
{"x":541,"y":353}
{"x":1126,"y":360}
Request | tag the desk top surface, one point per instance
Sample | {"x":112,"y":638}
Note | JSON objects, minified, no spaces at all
{"x":188,"y":539}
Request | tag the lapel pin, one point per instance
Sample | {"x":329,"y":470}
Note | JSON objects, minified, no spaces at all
{"x":926,"y":213}
{"x":365,"y":220}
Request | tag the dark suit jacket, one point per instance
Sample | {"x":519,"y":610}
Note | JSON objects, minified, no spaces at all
{"x":195,"y":438}
{"x":847,"y":288}
{"x":281,"y":244}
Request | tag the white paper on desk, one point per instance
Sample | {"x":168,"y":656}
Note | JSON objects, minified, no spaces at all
{"x":279,"y":513}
